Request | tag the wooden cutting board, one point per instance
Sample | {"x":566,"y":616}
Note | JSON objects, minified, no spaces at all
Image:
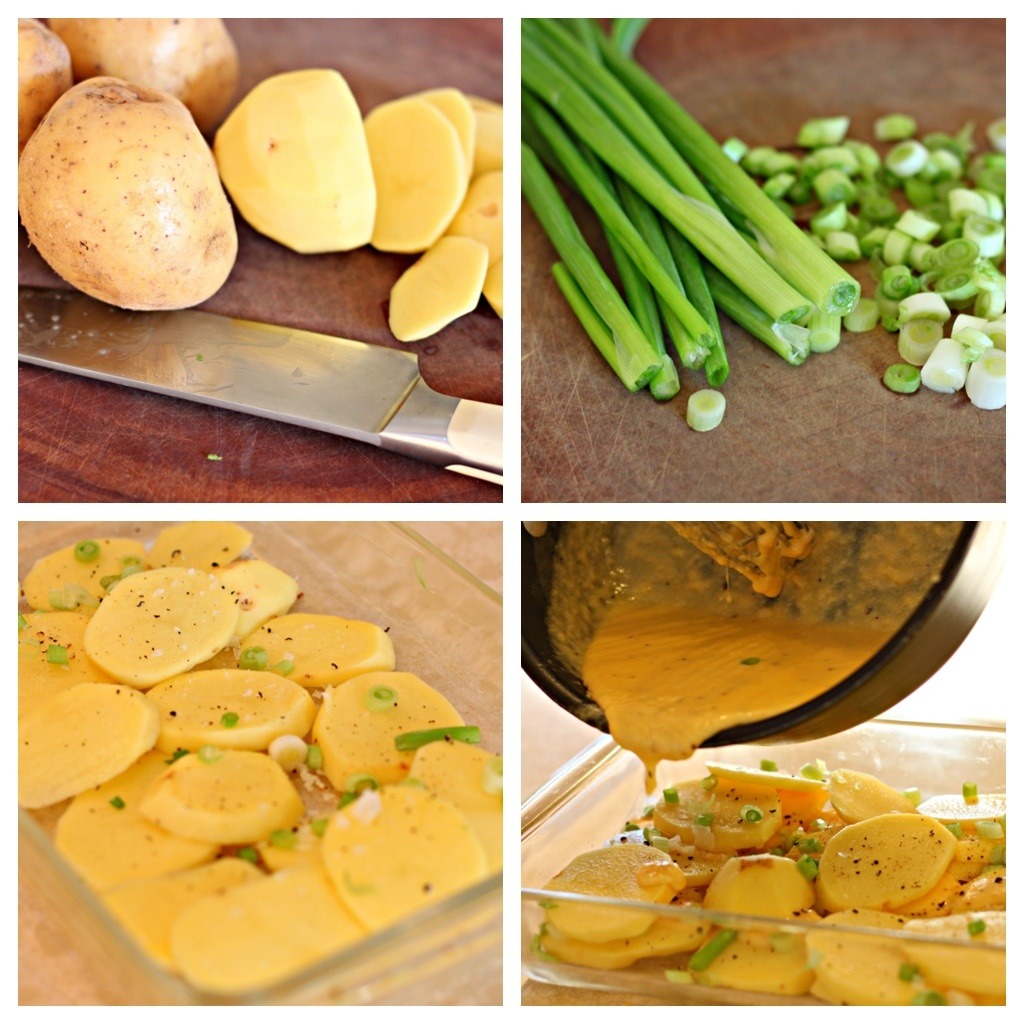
{"x":83,"y":440}
{"x":828,"y":430}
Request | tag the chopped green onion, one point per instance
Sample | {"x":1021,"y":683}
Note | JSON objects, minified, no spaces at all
{"x":976,"y":343}
{"x":833,"y":217}
{"x":735,"y":149}
{"x":22,"y":621}
{"x":976,"y":927}
{"x":318,"y":826}
{"x":908,"y":972}
{"x":254,"y":659}
{"x":924,"y":306}
{"x":677,"y":977}
{"x":917,"y":226}
{"x":822,"y":131}
{"x":809,"y":845}
{"x":863,"y":317}
{"x":895,"y":128}
{"x":998,"y":856}
{"x":709,"y":782}
{"x":956,"y":828}
{"x":768,"y":766}
{"x":929,"y":998}
{"x":833,"y":186}
{"x":712,"y":949}
{"x":896,"y":248}
{"x":808,"y":867}
{"x":989,"y":830}
{"x":956,"y":285}
{"x":913,"y":794}
{"x":209,"y":754}
{"x":750,"y":813}
{"x":248,"y":853}
{"x":87,"y":551}
{"x":819,"y":824}
{"x":229,"y":719}
{"x":360,"y":781}
{"x":705,"y":409}
{"x":704,"y":820}
{"x":996,"y":133}
{"x":670,"y":795}
{"x":180,"y":752}
{"x":814,"y":770}
{"x":314,"y":757}
{"x":57,"y":654}
{"x":282,"y":839}
{"x":380,"y":698}
{"x":970,"y":791}
{"x":824,"y":331}
{"x":986,"y":380}
{"x":988,"y":234}
{"x":117,"y":803}
{"x":415,"y":740}
{"x":956,"y":253}
{"x":843,"y":247}
{"x":964,"y":201}
{"x":283,"y":668}
{"x":631,"y":826}
{"x":918,"y":339}
{"x":945,"y":370}
{"x":907,"y":159}
{"x":492,"y":781}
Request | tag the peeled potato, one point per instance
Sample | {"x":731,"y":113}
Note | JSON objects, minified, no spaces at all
{"x":729,"y":830}
{"x":257,"y":934}
{"x":480,"y":215}
{"x":420,"y":172}
{"x":456,"y":107}
{"x":108,"y":841}
{"x":193,"y":59}
{"x":487,"y":153}
{"x":62,"y":569}
{"x":494,"y":288}
{"x":44,"y":74}
{"x":760,"y":884}
{"x":201,"y":545}
{"x":293,"y":156}
{"x":666,"y":936}
{"x":160,"y":623}
{"x":973,"y":969}
{"x":261,"y":591}
{"x":442,"y":285}
{"x":760,"y":962}
{"x":80,"y":738}
{"x":137,"y":217}
{"x":857,"y":795}
{"x":230,"y":796}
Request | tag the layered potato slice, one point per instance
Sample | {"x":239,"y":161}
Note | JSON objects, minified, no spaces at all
{"x":261,"y":590}
{"x":65,"y":571}
{"x":202,"y":545}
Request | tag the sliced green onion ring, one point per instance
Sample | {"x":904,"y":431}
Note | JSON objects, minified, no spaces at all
{"x":87,"y":551}
{"x":458,"y":733}
{"x":902,"y":378}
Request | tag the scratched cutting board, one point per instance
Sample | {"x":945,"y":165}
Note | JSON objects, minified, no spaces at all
{"x":83,"y":440}
{"x":825,"y":431}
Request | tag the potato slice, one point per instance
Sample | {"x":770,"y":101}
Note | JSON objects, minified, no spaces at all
{"x":760,"y":884}
{"x":762,"y":777}
{"x":419,"y":170}
{"x":147,"y":909}
{"x":199,"y":545}
{"x":396,"y":850}
{"x":699,"y":866}
{"x":986,"y":892}
{"x":262,"y":591}
{"x":62,"y":569}
{"x":108,"y":841}
{"x":260,"y":933}
{"x":936,"y":901}
{"x":972,"y":970}
{"x":616,"y":872}
{"x":666,"y":936}
{"x":326,"y":649}
{"x":856,"y":796}
{"x":884,"y":862}
{"x":294,"y":158}
{"x":264,"y":705}
{"x":358,"y":721}
{"x":760,"y":962}
{"x":230,"y":796}
{"x":446,"y":282}
{"x":487,"y":154}
{"x":302,"y":849}
{"x":950,"y":807}
{"x":457,"y":772}
{"x":481,"y":216}
{"x":160,"y":623}
{"x":454,"y":105}
{"x":40,"y":678}
{"x":728,"y":831}
{"x":81,"y":738}
{"x":494,"y":288}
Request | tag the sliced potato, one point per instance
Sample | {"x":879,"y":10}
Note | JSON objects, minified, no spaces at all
{"x":614,"y":872}
{"x":761,"y":962}
{"x":936,"y":901}
{"x":147,"y":909}
{"x":257,"y":934}
{"x":395,"y":850}
{"x":457,"y":772}
{"x":974,"y":969}
{"x":358,"y":721}
{"x":699,"y":866}
{"x":62,"y":569}
{"x":952,"y":807}
{"x":230,"y":708}
{"x":487,"y":154}
{"x":454,"y":105}
{"x":481,"y":216}
{"x":857,"y":795}
{"x":729,"y":830}
{"x":230,"y":796}
{"x":419,"y":170}
{"x":302,"y":848}
{"x":160,"y":623}
{"x":761,"y":777}
{"x":666,"y":936}
{"x":884,"y":862}
{"x":199,"y":545}
{"x":986,"y":892}
{"x":760,"y":884}
{"x":326,"y":649}
{"x":38,"y":676}
{"x":494,"y":287}
{"x":80,"y":738}
{"x":446,"y":282}
{"x":262,"y":592}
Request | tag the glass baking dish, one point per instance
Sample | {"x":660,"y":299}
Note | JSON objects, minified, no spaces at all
{"x":590,"y":798}
{"x":446,"y":627}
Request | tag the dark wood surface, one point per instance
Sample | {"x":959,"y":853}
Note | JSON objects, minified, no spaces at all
{"x":825,"y":431}
{"x":83,"y":440}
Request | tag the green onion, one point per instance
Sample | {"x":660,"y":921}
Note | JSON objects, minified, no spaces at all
{"x":712,"y":949}
{"x":917,"y":226}
{"x":986,"y":380}
{"x":117,"y":803}
{"x":229,"y":719}
{"x":670,"y":795}
{"x":709,"y":782}
{"x":917,"y":340}
{"x":814,"y":770}
{"x":819,"y":824}
{"x":897,"y":282}
{"x":929,"y":998}
{"x":180,"y":752}
{"x":976,"y":927}
{"x":970,"y":791}
{"x":908,"y":972}
{"x":704,"y":820}
{"x":988,"y":234}
{"x":833,"y":186}
{"x":945,"y":370}
{"x":913,"y":795}
{"x":924,"y":306}
{"x":809,"y":845}
{"x":254,"y":659}
{"x":314,"y":757}
{"x":998,"y":856}
{"x":415,"y":740}
{"x":282,"y":839}
{"x":492,"y":781}
{"x":677,"y":977}
{"x":956,"y":828}
{"x":895,"y":128}
{"x":87,"y":551}
{"x":964,"y":201}
{"x":22,"y":621}
{"x":57,"y":654}
{"x":989,"y":830}
{"x":976,"y":343}
{"x":833,"y":217}
{"x":954,"y":254}
{"x":283,"y":668}
{"x":996,"y":133}
{"x":902,"y":378}
{"x":808,"y":867}
{"x":907,"y":159}
{"x":735,"y":149}
{"x":248,"y":853}
{"x":631,"y":826}
{"x":768,"y":766}
{"x":626,"y":32}
{"x":705,"y":409}
{"x":750,"y":813}
{"x":318,"y":826}
{"x":822,"y":131}
{"x":896,"y":248}
{"x":824,"y":330}
{"x":360,"y":781}
{"x":863,"y":317}
{"x":209,"y":754}
{"x":380,"y":698}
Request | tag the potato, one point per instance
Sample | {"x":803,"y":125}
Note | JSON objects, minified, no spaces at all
{"x":456,"y":107}
{"x":294,"y":158}
{"x":443,"y":284}
{"x":972,"y":970}
{"x":760,"y":884}
{"x":760,"y":962}
{"x":202,"y":545}
{"x":136,"y":218}
{"x":44,"y":74}
{"x":728,"y":830}
{"x":494,"y":288}
{"x":261,"y":590}
{"x":81,"y":738}
{"x":986,"y":892}
{"x":487,"y":153}
{"x":857,"y":795}
{"x":193,"y":59}
{"x":63,"y":569}
{"x":666,"y":936}
{"x":480,"y":215}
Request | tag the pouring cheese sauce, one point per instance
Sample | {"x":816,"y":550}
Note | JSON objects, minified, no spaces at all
{"x":675,"y":648}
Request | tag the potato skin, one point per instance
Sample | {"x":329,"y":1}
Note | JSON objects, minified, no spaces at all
{"x":44,"y":73}
{"x":193,"y":59}
{"x":119,"y":193}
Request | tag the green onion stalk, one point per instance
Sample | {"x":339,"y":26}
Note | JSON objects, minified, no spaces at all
{"x":703,"y":224}
{"x":805,"y":266}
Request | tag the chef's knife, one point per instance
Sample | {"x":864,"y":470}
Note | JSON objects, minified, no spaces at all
{"x":364,"y":392}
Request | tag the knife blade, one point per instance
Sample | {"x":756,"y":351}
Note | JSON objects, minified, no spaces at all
{"x":364,"y":392}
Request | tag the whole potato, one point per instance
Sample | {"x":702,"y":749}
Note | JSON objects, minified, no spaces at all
{"x":192,"y":58}
{"x":44,"y":72}
{"x":119,"y":193}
